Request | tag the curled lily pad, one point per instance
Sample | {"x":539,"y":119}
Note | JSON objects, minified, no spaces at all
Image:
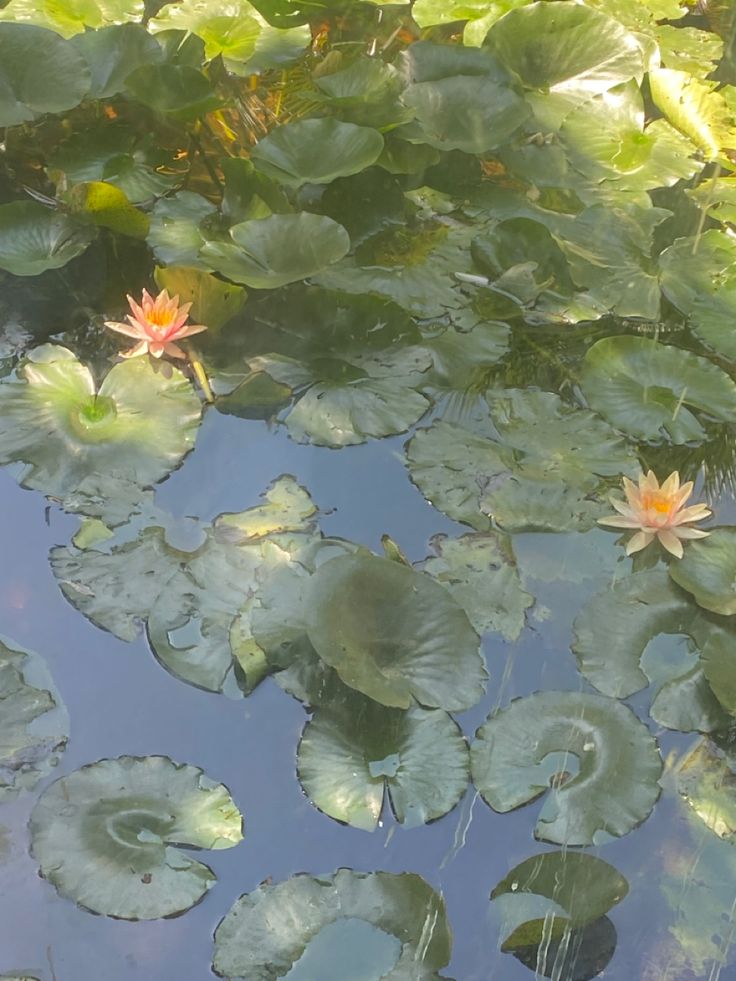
{"x":394,"y":634}
{"x":316,"y":151}
{"x":480,"y":572}
{"x":33,"y":722}
{"x":271,"y":252}
{"x":655,"y":391}
{"x":108,"y":835}
{"x":708,"y":571}
{"x":34,"y":239}
{"x":272,"y":930}
{"x":354,"y":751}
{"x":136,"y":427}
{"x":554,"y":892}
{"x":612,"y":642}
{"x":540,"y":468}
{"x":527,"y":750}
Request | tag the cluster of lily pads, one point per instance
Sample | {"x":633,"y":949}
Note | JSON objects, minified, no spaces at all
{"x":508,"y":222}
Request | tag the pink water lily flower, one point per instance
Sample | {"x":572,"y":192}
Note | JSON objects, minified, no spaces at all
{"x":657,"y":512}
{"x":156,"y":323}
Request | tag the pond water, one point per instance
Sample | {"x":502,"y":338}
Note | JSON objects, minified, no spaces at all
{"x":321,"y":658}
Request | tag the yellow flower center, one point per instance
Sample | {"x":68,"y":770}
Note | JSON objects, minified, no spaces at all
{"x":655,"y":501}
{"x":159,"y":318}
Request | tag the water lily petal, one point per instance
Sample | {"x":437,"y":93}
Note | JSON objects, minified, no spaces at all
{"x":649,"y":482}
{"x":684,"y":492}
{"x":671,"y":542}
{"x":671,"y":485}
{"x":128,"y":329}
{"x":133,"y":352}
{"x":689,"y":533}
{"x":173,"y":350}
{"x":157,"y":349}
{"x":695,"y":513}
{"x":638,"y":541}
{"x":619,"y":521}
{"x":626,"y":509}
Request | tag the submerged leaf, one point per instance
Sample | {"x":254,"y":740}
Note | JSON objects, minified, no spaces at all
{"x":107,"y":836}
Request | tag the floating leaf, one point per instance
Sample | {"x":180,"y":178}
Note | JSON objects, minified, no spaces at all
{"x":394,"y":634}
{"x":316,"y":151}
{"x":112,"y":53}
{"x":137,"y":427}
{"x":179,"y":92}
{"x":655,"y":391}
{"x":614,"y":632}
{"x":107,"y":835}
{"x":214,"y":303}
{"x":353,"y":752}
{"x":34,"y":239}
{"x":72,"y":16}
{"x":315,"y":921}
{"x":708,"y":571}
{"x":695,"y":108}
{"x":107,"y":206}
{"x":527,"y":749}
{"x":175,"y":236}
{"x":480,"y":572}
{"x":706,"y":780}
{"x":277,"y":250}
{"x":39,"y":73}
{"x":34,"y":726}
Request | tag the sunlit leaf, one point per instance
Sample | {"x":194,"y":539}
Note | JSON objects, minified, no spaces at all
{"x":695,"y":108}
{"x":105,"y":836}
{"x":706,"y":780}
{"x":72,"y":16}
{"x":214,"y":303}
{"x":107,"y":206}
{"x":34,"y":238}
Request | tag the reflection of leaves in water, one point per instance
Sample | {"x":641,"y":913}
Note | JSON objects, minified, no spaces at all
{"x":105,"y":835}
{"x":270,"y":929}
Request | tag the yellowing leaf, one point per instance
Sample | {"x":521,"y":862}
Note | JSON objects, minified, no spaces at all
{"x":695,"y":108}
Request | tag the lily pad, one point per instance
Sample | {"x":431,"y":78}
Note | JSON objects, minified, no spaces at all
{"x":707,"y":782}
{"x":698,"y":275}
{"x":176,"y":236}
{"x":354,"y":752}
{"x":214,"y":303}
{"x":655,"y":391}
{"x":574,"y":888}
{"x":39,"y":73}
{"x":34,"y":725}
{"x":541,"y":468}
{"x":695,"y":108}
{"x":109,"y":836}
{"x":527,"y":750}
{"x":708,"y":571}
{"x":480,"y":572}
{"x":137,"y":427}
{"x":34,"y":239}
{"x":612,"y":642}
{"x":268,"y":931}
{"x":271,"y":252}
{"x":72,"y":16}
{"x":394,"y":634}
{"x":316,"y":151}
{"x":112,"y":53}
{"x":177,"y":92}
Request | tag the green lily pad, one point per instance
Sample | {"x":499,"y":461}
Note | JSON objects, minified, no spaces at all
{"x":480,"y":572}
{"x":271,"y":931}
{"x":112,"y":53}
{"x":614,"y":632}
{"x":566,"y":49}
{"x":39,"y":73}
{"x":562,"y":890}
{"x":694,"y":107}
{"x":316,"y":151}
{"x":108,"y":836}
{"x":708,"y":571}
{"x":34,"y":239}
{"x":354,"y":752}
{"x":107,"y":206}
{"x":214,"y":303}
{"x":177,"y":92}
{"x":698,"y":275}
{"x":707,"y":782}
{"x":656,"y":391}
{"x":277,"y":250}
{"x":136,"y":428}
{"x":541,"y":468}
{"x":527,"y":749}
{"x":176,"y":236}
{"x":72,"y":16}
{"x":394,"y":634}
{"x":34,"y":725}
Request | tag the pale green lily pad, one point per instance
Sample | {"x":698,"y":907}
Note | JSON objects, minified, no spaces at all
{"x":566,"y":49}
{"x":695,"y":108}
{"x":112,"y":53}
{"x":271,"y":252}
{"x":72,"y":16}
{"x":34,"y":238}
{"x":707,"y":782}
{"x":108,"y":836}
{"x":480,"y":572}
{"x":105,"y":205}
{"x":189,"y":596}
{"x":530,"y":748}
{"x":176,"y":236}
{"x":214,"y":303}
{"x":614,"y":631}
{"x":656,"y":391}
{"x":34,"y":726}
{"x":542,"y":468}
{"x":708,"y":571}
{"x":394,"y":634}
{"x":39,"y":73}
{"x":698,"y":275}
{"x":316,"y":151}
{"x":562,"y":890}
{"x":136,"y":428}
{"x":268,"y":931}
{"x":354,"y":752}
